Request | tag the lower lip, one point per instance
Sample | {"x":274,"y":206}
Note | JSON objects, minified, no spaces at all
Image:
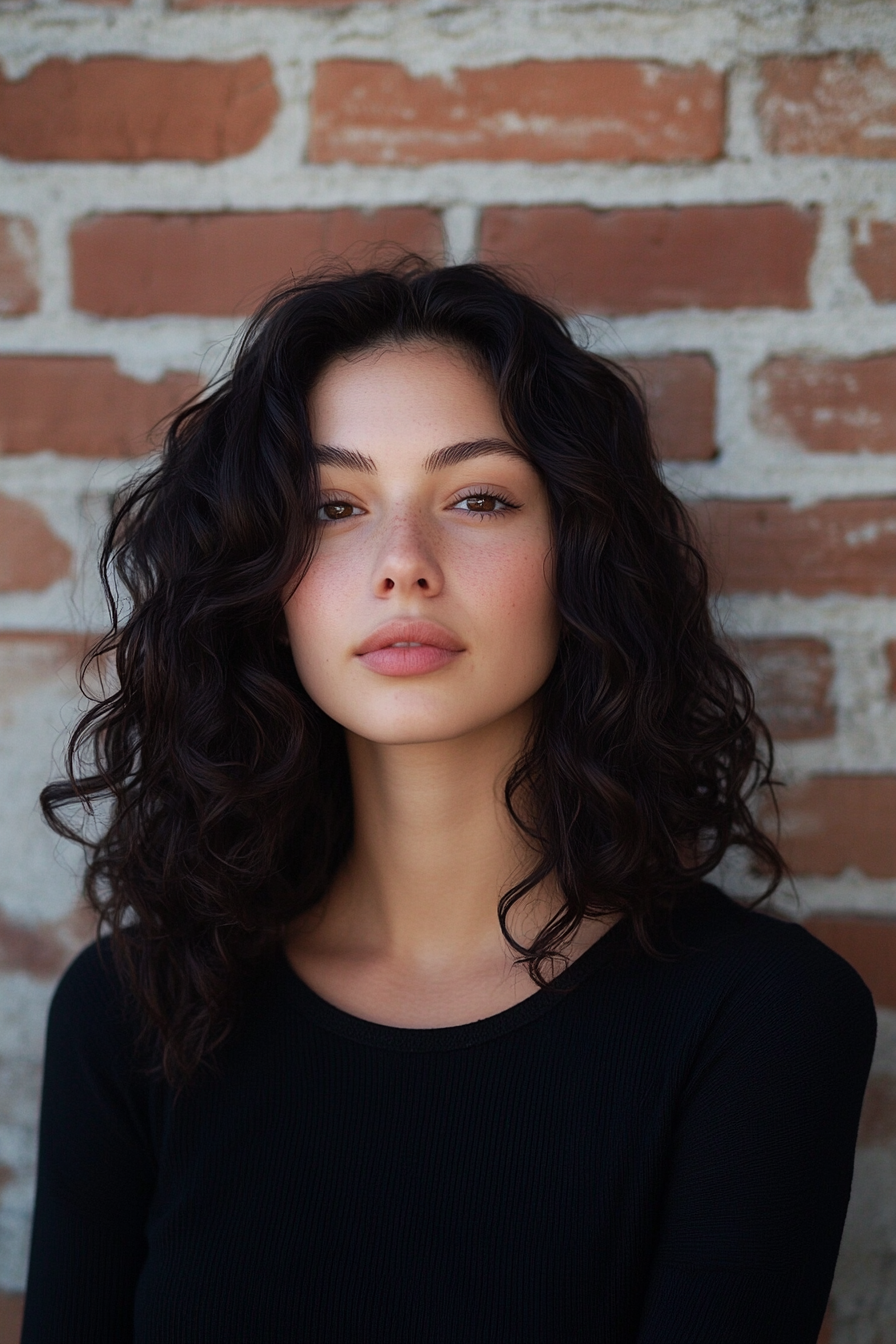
{"x":408,"y":662}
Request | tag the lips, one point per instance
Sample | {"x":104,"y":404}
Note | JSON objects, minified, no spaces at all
{"x":409,"y":648}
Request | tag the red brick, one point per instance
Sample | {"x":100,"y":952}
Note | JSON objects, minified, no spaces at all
{"x":36,"y":950}
{"x":833,"y":822}
{"x":890,"y":652}
{"x":127,"y":109}
{"x":18,"y":267}
{"x":868,"y":944}
{"x":681,"y":399}
{"x":31,"y":555}
{"x":843,"y":545}
{"x":63,"y":644}
{"x":792,"y":681}
{"x":30,"y":657}
{"x":878,"y":1123}
{"x":830,"y":406}
{"x":12,"y":1306}
{"x":135,"y":265}
{"x":82,"y":407}
{"x":634,"y":261}
{"x":376,"y":112}
{"x":842,"y":104}
{"x":874,"y":258}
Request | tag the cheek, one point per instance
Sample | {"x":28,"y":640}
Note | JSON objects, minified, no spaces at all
{"x":513,"y":603}
{"x":315,"y":613}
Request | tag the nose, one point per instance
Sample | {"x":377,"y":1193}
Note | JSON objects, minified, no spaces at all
{"x":407,"y":564}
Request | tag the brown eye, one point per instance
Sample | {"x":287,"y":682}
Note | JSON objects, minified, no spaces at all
{"x":335,"y":511}
{"x":481,"y":503}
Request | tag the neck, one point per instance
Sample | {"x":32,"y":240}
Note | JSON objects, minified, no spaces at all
{"x":434,"y":844}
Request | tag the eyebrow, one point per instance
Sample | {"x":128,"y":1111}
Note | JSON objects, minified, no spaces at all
{"x":327,"y":456}
{"x":450,"y":456}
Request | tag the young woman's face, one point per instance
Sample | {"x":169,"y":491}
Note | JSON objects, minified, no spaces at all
{"x":427,"y":611}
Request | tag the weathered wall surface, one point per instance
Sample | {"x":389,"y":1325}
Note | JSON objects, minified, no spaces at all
{"x":712,"y":185}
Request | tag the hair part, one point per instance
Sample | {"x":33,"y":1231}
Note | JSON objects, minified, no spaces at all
{"x":227,"y":789}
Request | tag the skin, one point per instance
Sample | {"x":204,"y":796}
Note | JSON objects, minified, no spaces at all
{"x":408,"y":934}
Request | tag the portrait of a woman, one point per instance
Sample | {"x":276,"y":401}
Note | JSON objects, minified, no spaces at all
{"x":416,"y":1019}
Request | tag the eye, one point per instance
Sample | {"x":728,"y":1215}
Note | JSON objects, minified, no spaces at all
{"x":484,"y":503}
{"x":334,"y":510}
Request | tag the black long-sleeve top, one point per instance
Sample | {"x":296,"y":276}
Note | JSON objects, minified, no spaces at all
{"x":657,"y":1150}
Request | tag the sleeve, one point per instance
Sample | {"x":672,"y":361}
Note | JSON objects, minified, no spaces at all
{"x":764,"y":1152}
{"x":95,"y":1167}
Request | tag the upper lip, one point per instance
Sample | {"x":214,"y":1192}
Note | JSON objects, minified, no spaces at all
{"x":410,"y":632}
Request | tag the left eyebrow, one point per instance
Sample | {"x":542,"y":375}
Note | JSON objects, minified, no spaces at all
{"x":464,"y":452}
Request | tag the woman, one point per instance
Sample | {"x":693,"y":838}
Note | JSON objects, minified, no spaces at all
{"x":417,"y":1021}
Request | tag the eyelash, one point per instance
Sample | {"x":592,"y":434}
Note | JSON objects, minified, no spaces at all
{"x":326,"y":503}
{"x":506,"y":505}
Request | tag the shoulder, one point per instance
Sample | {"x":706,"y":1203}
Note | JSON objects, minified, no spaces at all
{"x":723,"y":931}
{"x":91,"y":979}
{"x":91,"y":1005}
{"x":774,"y":972}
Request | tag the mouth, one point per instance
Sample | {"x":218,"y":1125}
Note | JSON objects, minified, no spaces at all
{"x":409,"y":649}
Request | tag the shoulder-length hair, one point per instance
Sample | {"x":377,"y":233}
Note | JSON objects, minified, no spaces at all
{"x":224,"y":790}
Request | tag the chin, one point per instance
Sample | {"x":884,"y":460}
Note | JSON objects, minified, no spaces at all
{"x":397,"y":724}
{"x":414,"y":730}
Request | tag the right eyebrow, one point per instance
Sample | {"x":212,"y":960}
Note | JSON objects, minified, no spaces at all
{"x":328,"y":456}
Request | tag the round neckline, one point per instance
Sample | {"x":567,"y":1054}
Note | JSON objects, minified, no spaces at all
{"x":418,"y":1040}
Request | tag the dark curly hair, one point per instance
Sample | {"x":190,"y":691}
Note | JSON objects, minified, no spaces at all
{"x":222,"y":789}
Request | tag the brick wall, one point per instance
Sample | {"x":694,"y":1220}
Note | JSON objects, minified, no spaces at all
{"x":713,"y":186}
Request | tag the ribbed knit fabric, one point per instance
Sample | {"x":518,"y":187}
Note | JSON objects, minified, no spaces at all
{"x":658,"y":1150}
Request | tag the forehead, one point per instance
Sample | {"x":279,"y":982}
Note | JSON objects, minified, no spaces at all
{"x":393,"y":397}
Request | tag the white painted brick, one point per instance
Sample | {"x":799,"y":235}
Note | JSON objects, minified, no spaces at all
{"x":37,"y":690}
{"x":865,"y":1285}
{"x":434,"y":37}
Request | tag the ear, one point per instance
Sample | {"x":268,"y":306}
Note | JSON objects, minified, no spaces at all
{"x":281,"y":634}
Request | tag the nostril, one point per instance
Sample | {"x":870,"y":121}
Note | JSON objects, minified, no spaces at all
{"x":422,"y":583}
{"x":390,"y":583}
